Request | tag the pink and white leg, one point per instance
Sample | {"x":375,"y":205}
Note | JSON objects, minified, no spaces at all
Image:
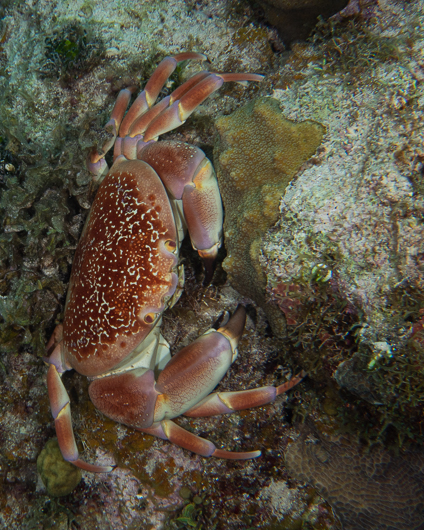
{"x":61,"y":411}
{"x":134,"y":399}
{"x":229,"y":402}
{"x":120,"y":125}
{"x":180,"y":109}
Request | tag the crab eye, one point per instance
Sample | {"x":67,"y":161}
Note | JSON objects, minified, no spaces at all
{"x":170,"y":245}
{"x":149,"y":318}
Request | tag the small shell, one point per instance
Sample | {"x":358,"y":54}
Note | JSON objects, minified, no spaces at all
{"x":321,"y":273}
{"x":112,"y":52}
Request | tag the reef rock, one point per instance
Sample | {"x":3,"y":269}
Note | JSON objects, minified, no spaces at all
{"x":351,"y":224}
{"x":257,"y":153}
{"x":295,"y":19}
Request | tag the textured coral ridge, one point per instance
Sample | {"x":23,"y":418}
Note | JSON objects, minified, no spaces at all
{"x":257,"y":153}
{"x":60,"y":477}
{"x":372,"y":490}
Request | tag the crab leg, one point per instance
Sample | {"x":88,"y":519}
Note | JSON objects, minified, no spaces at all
{"x":59,"y":403}
{"x":141,"y":123}
{"x":177,"y":113}
{"x":96,"y":163}
{"x":61,"y":410}
{"x":153,"y":87}
{"x":193,"y":372}
{"x":204,"y":215}
{"x":229,"y":402}
{"x":168,"y":430}
{"x":134,"y":399}
{"x":189,"y":175}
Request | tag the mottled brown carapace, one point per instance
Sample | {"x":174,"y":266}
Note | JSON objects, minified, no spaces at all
{"x":122,"y":269}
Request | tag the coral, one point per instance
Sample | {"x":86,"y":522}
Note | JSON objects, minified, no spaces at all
{"x":59,"y":477}
{"x":368,"y":489}
{"x":49,"y":125}
{"x":257,"y":153}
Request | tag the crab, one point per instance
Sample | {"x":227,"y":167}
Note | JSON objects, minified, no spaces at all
{"x":126,"y":273}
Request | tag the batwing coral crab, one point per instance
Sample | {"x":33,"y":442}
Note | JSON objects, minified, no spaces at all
{"x":125,"y":274}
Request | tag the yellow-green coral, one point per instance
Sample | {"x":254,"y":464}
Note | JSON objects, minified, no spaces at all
{"x":59,"y":477}
{"x":258,"y":152}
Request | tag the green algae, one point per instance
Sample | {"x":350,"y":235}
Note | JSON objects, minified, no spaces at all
{"x":71,"y":51}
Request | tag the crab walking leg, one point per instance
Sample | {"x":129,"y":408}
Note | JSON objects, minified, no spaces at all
{"x":96,"y":163}
{"x":154,"y":85}
{"x":168,"y":430}
{"x":177,"y":113}
{"x":117,"y":123}
{"x":140,"y":124}
{"x":229,"y":402}
{"x":194,"y":371}
{"x":134,"y":399}
{"x":189,"y":175}
{"x":61,"y":411}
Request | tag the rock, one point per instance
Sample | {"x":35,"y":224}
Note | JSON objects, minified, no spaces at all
{"x":295,"y":19}
{"x":347,"y":251}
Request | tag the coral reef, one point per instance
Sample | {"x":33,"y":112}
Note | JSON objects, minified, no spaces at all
{"x":59,"y":477}
{"x":257,"y":153}
{"x":368,"y":489}
{"x":49,"y":121}
{"x":362,"y":79}
{"x":344,"y":261}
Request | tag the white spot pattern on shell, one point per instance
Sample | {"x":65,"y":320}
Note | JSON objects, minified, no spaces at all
{"x":119,"y":268}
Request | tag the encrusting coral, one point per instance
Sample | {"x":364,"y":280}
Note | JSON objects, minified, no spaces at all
{"x":257,"y":153}
{"x":59,"y":477}
{"x":368,"y":490}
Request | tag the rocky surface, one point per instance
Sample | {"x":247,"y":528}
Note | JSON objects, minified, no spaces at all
{"x":61,"y":67}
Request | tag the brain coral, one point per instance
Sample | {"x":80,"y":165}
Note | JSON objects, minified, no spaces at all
{"x":372,"y":490}
{"x":59,"y":477}
{"x":257,"y":153}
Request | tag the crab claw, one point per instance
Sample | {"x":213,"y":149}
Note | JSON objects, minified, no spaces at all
{"x":209,"y":258}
